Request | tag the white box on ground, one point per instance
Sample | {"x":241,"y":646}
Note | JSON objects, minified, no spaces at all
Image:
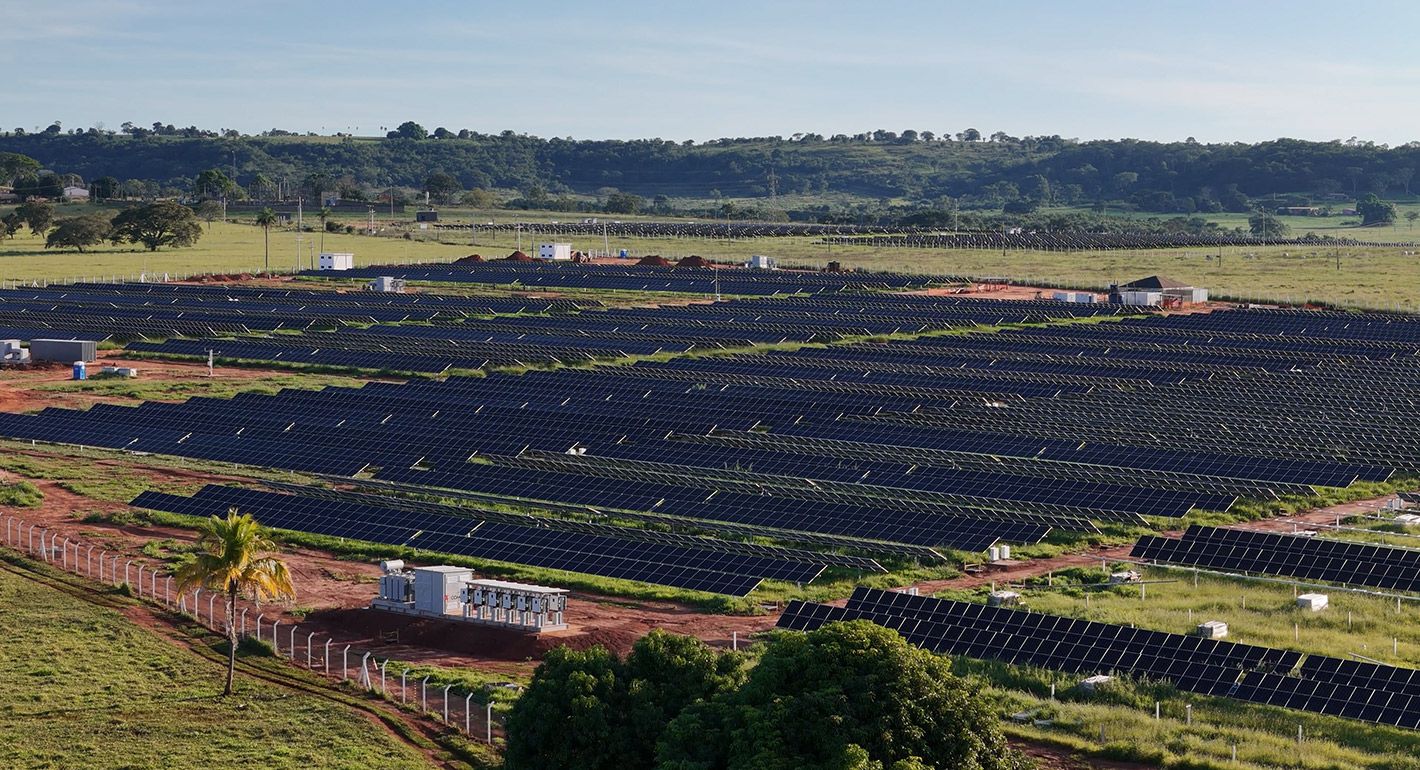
{"x":1313,"y":602}
{"x":336,"y":260}
{"x":1213,"y":629}
{"x":558,"y":251}
{"x":440,"y":589}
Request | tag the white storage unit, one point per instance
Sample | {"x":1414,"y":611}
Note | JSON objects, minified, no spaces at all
{"x":558,"y":251}
{"x":387,"y":283}
{"x":439,"y":590}
{"x":1081,"y":297}
{"x":1141,"y":298}
{"x":761,"y":262}
{"x":1189,"y":295}
{"x":1003,"y":599}
{"x":1213,"y":629}
{"x":1313,"y":602}
{"x":336,"y":260}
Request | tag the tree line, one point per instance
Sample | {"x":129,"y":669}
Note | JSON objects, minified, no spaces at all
{"x":878,"y":177}
{"x":154,"y":225}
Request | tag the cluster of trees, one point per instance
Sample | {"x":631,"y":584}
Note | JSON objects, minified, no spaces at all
{"x":878,"y":176}
{"x":154,"y":225}
{"x":850,"y":696}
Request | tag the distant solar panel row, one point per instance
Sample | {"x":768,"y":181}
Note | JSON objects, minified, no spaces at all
{"x":1308,"y":558}
{"x":679,"y":566}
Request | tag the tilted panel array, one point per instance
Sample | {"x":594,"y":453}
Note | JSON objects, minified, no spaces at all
{"x":1295,"y":556}
{"x":595,"y":554}
{"x":1192,"y":663}
{"x":1360,"y":690}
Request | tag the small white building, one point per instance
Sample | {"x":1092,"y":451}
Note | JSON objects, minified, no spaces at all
{"x":387,"y":283}
{"x":761,"y":262}
{"x":337,"y":260}
{"x":558,"y":251}
{"x":72,"y":193}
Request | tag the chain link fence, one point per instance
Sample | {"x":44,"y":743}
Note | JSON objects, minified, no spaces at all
{"x":339,"y":659}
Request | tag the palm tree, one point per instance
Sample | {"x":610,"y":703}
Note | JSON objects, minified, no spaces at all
{"x":233,"y":559}
{"x":265,"y":219}
{"x":325,"y":213}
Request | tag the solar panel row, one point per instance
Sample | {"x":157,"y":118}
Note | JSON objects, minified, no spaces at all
{"x":1365,"y":691}
{"x":1309,"y":558}
{"x":594,"y":554}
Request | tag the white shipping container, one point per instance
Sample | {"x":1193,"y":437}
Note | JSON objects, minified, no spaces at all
{"x":336,"y":260}
{"x":558,"y":251}
{"x":1141,"y":298}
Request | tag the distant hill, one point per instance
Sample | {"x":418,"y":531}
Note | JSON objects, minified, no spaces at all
{"x":1177,"y":177}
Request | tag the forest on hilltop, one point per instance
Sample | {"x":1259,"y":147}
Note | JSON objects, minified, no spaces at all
{"x":922,"y":170}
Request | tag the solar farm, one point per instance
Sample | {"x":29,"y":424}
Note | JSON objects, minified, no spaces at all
{"x":756,"y":450}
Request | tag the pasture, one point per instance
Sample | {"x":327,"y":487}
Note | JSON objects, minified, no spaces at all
{"x":1362,"y":277}
{"x":86,"y":687}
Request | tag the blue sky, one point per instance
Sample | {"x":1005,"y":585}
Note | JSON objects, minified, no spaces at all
{"x":1245,"y":70}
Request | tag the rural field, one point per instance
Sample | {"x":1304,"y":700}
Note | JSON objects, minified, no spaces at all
{"x":107,"y":684}
{"x":1367,"y":277}
{"x":393,"y":390}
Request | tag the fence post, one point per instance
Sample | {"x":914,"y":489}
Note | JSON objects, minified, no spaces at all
{"x":446,"y":703}
{"x":404,"y":686}
{"x":365,"y":671}
{"x":383,"y":690}
{"x":293,"y":642}
{"x":196,"y":597}
{"x":211,"y":614}
{"x":424,"y":695}
{"x":152,"y":582}
{"x":126,"y":566}
{"x":467,"y":712}
{"x":308,"y":649}
{"x":64,"y":555}
{"x":275,"y":643}
{"x":244,"y":623}
{"x":345,"y":664}
{"x":489,"y":721}
{"x":140,"y":579}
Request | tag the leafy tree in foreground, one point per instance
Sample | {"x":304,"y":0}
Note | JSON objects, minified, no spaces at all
{"x":567,"y":717}
{"x":588,"y":709}
{"x":1375,"y":211}
{"x":37,"y":215}
{"x":79,"y":232}
{"x":164,"y":223}
{"x":664,"y":674}
{"x":233,"y":558}
{"x":849,"y":695}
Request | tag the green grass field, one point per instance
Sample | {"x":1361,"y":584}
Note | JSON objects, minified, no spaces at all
{"x":1119,"y":722}
{"x":85,"y":687}
{"x":1256,"y":612}
{"x":1379,"y":277}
